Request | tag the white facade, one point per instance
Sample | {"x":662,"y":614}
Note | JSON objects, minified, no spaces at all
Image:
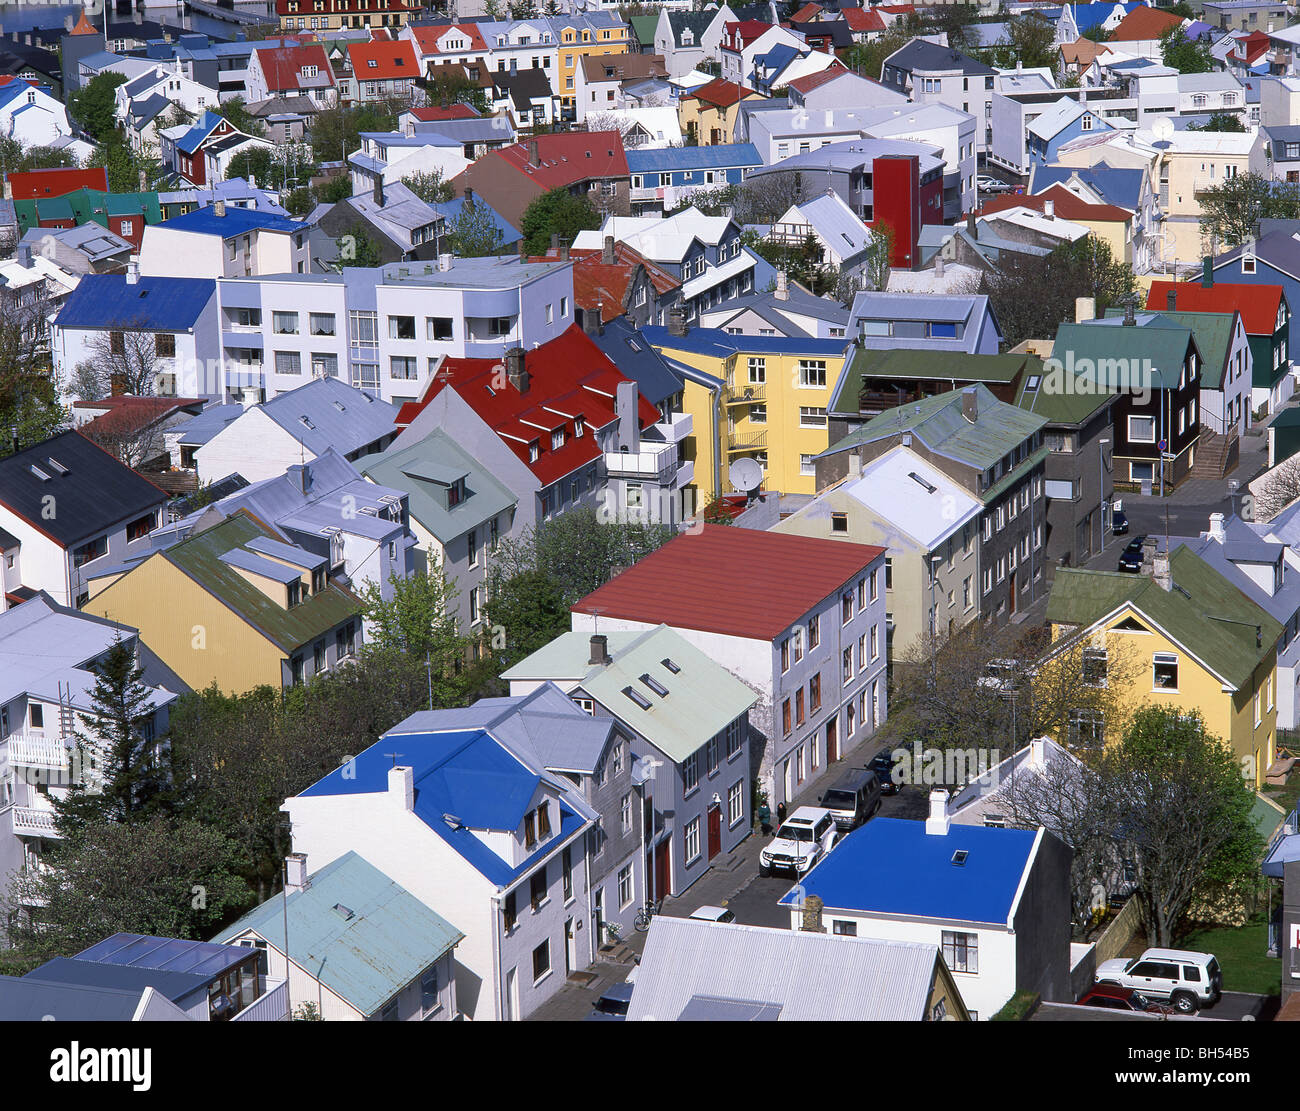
{"x":173,"y":253}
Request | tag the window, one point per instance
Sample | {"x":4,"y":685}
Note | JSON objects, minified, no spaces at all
{"x":1164,"y":671}
{"x":875,"y":642}
{"x":844,"y":929}
{"x":542,"y":961}
{"x":798,"y":707}
{"x":296,"y":669}
{"x":404,"y":366}
{"x":1094,"y":667}
{"x":537,"y":888}
{"x":318,"y":657}
{"x":814,"y":631}
{"x":961,"y":951}
{"x":785,"y":654}
{"x":690,"y":773}
{"x":815,"y":694}
{"x":322,"y":324}
{"x":566,"y":874}
{"x":846,"y":664}
{"x":164,"y":345}
{"x":735,"y":738}
{"x":326,"y":365}
{"x":875,"y":593}
{"x":117,"y":343}
{"x":92,"y":549}
{"x":735,"y":803}
{"x":284,"y":323}
{"x":711,"y":756}
{"x":846,"y":607}
{"x":140,"y":527}
{"x":812,"y":373}
{"x":810,"y":417}
{"x":401,"y":327}
{"x":785,"y":717}
{"x":757,"y":371}
{"x":758,"y":414}
{"x":625,"y":887}
{"x":625,"y":812}
{"x":691,"y":840}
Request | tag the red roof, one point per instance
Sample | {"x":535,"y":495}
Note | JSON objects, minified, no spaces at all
{"x":566,"y":157}
{"x":1249,"y":47}
{"x":736,"y":581}
{"x":736,"y":36}
{"x":721,"y":93}
{"x":1258,"y":304}
{"x":816,"y":80}
{"x":568,"y":377}
{"x":1067,"y":205}
{"x":860,"y":19}
{"x":449,"y":112}
{"x":31,"y":185}
{"x":282,"y":65}
{"x":426,"y":38}
{"x":391,"y":60}
{"x":83,"y":26}
{"x":128,"y":414}
{"x":1144,"y":23}
{"x":598,"y":284}
{"x":807,"y":12}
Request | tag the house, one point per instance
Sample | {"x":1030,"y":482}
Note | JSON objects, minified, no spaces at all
{"x":354,"y":943}
{"x":665,"y":178}
{"x":301,"y":70}
{"x":298,"y":425}
{"x":475,"y":820}
{"x":172,"y":979}
{"x":686,"y":38}
{"x":678,"y":711}
{"x":142,"y":102}
{"x":1141,"y":30}
{"x":709,"y":112}
{"x":983,"y":800}
{"x":590,"y":163}
{"x":124,"y":214}
{"x":68,"y":508}
{"x":579,"y":35}
{"x":599,"y":80}
{"x":1205,"y":645}
{"x":82,"y":250}
{"x":927,"y":72}
{"x":994,"y":451}
{"x":844,"y":240}
{"x":617,"y":281}
{"x":837,"y":87}
{"x":1265,"y":315}
{"x":695,"y":971}
{"x":1066,"y":120}
{"x":909,"y":320}
{"x":32,"y":185}
{"x":136,"y":429}
{"x":401,"y":226}
{"x":199,"y":153}
{"x":797,"y":652}
{"x":347,"y":14}
{"x":32,"y":290}
{"x":267,"y":607}
{"x":526,"y":98}
{"x":788,"y":310}
{"x":49,"y":655}
{"x":33,"y":117}
{"x":227,"y":241}
{"x":1265,"y":588}
{"x":121,"y":310}
{"x":386,"y":158}
{"x":995,"y":902}
{"x":440,"y":43}
{"x":1245,"y":15}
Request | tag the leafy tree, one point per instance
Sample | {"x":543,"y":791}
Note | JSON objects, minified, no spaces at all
{"x":802,"y":262}
{"x":1178,"y":52}
{"x":235,"y":113}
{"x":449,"y":85}
{"x":92,"y":105}
{"x":868,"y":58}
{"x":765,"y":198}
{"x":124,"y":165}
{"x":431,"y":187}
{"x":474,"y":233}
{"x":416,"y":617}
{"x":1028,"y":40}
{"x":253,"y":163}
{"x":335,"y":131}
{"x":1097,"y":34}
{"x":1231,"y":210}
{"x":357,"y":247}
{"x":300,"y":201}
{"x":1182,"y":9}
{"x":1219,"y":121}
{"x":558,"y":212}
{"x":15,"y":157}
{"x":525,"y":612}
{"x":334,"y":189}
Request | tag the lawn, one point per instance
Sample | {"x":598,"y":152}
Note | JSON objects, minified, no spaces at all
{"x":1241,"y":954}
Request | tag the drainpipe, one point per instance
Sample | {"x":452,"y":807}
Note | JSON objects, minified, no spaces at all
{"x":591,"y":929}
{"x":498,"y":973}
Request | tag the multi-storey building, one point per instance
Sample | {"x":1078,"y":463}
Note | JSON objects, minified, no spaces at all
{"x":337,"y":15}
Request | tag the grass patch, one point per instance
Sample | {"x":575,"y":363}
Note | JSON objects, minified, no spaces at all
{"x":1017,"y":1007}
{"x":1242,"y":954}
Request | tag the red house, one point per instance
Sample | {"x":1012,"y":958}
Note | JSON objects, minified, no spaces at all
{"x":32,"y":185}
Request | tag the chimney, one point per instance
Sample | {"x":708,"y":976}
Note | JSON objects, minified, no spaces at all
{"x":1038,"y":754}
{"x":534,"y":153}
{"x":564,"y":253}
{"x":117,"y":384}
{"x":938,"y":266}
{"x":516,"y":372}
{"x":13,"y":439}
{"x":1049,"y":208}
{"x":1085,"y":309}
{"x":970,"y":225}
{"x":68,"y":23}
{"x":133,"y":270}
{"x":970,"y":403}
{"x":1207,"y":272}
{"x":1171,"y":300}
{"x":1149,"y":546}
{"x":24,"y":256}
{"x":855,"y":465}
{"x":677,"y":321}
{"x":523,"y":249}
{"x":782,"y":286}
{"x":1216,"y":527}
{"x":1160,"y":571}
{"x":937,"y":823}
{"x":625,"y":409}
{"x":444,"y":262}
{"x":379,"y":191}
{"x":469,"y":195}
{"x":219,"y":209}
{"x":1130,"y":317}
{"x":136,"y":17}
{"x":599,"y":650}
{"x":555,"y":241}
{"x":607,"y":255}
{"x":401,"y":787}
{"x":812,"y":915}
{"x":295,"y":873}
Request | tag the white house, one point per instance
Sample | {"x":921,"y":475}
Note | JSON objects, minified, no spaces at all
{"x":33,"y":118}
{"x":225,"y":241}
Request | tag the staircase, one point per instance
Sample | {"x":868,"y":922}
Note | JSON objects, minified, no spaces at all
{"x":1216,"y":454}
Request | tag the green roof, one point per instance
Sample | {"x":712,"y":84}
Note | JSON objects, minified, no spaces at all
{"x":702,"y":696}
{"x":425,"y":469}
{"x":84,"y":206}
{"x":643,"y":28}
{"x":1213,"y":332}
{"x":939,"y":424}
{"x":918,"y":363}
{"x":288,"y":629}
{"x":1132,"y":357}
{"x":1205,"y":614}
{"x":1060,"y":399}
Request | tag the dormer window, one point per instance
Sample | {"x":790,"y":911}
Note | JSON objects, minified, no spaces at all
{"x":456,"y":493}
{"x":319,"y":578}
{"x":537,"y":826}
{"x":577,"y":426}
{"x":294,"y":594}
{"x":557,"y":439}
{"x":534,"y":450}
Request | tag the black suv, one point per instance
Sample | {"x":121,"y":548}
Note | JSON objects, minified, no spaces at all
{"x":1130,"y":559}
{"x":883,"y":765}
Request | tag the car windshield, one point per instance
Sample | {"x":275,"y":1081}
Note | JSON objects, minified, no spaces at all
{"x":790,"y":832}
{"x":607,"y":1006}
{"x":840,"y":800}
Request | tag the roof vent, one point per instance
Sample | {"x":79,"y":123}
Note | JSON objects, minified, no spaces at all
{"x":343,"y":912}
{"x":637,"y":697}
{"x":340,"y":407}
{"x":306,"y":422}
{"x":655,"y":685}
{"x":929,"y":487}
{"x":668,"y":663}
{"x":959,"y":857}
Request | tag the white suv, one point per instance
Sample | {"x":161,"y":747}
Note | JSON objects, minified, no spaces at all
{"x":1188,"y":980}
{"x":803,"y":839}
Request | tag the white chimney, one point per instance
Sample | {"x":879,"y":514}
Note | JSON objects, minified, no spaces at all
{"x":1216,"y":527}
{"x":782,"y":286}
{"x":855,"y":465}
{"x":295,"y":873}
{"x":937,"y":823}
{"x":1085,"y":309}
{"x":938,"y":266}
{"x":1049,"y":208}
{"x":401,"y":787}
{"x":132,"y":269}
{"x":1038,"y":754}
{"x":444,"y":262}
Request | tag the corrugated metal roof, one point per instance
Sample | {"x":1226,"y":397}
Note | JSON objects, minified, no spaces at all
{"x":340,"y":416}
{"x":150,"y":304}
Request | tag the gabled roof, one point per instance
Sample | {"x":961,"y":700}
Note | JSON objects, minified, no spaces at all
{"x":904,"y":490}
{"x":708,"y":580}
{"x":693,"y":970}
{"x":32,"y":1000}
{"x":383,"y":61}
{"x":1210,"y":617}
{"x":720,"y":93}
{"x":622,"y":67}
{"x":919,"y":54}
{"x":92,"y":491}
{"x":431,"y":113}
{"x":283,"y":67}
{"x":341,"y":416}
{"x":362,"y":935}
{"x":1145,"y":23}
{"x":862,"y":19}
{"x":598,"y":284}
{"x":807,"y":84}
{"x":716,"y":156}
{"x":1147,"y":357}
{"x":1213,"y":332}
{"x":1258,"y":304}
{"x":1067,"y":205}
{"x":566,"y":157}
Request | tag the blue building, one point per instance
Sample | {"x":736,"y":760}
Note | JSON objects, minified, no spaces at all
{"x":665,"y":178}
{"x":1066,"y":120}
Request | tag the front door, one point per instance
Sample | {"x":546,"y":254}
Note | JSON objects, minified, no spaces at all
{"x":663,"y":870}
{"x":832,"y":740}
{"x":715,"y":830}
{"x":570,"y":947}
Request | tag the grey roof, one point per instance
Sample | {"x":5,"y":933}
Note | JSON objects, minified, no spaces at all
{"x":638,"y":360}
{"x":713,"y":971}
{"x":31,"y":1000}
{"x":341,"y":417}
{"x":931,"y":57}
{"x":170,"y":983}
{"x":401,"y":213}
{"x":92,"y":240}
{"x":200,"y":429}
{"x":798,"y":302}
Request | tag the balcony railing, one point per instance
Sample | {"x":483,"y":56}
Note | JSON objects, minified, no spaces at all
{"x":677,"y":427}
{"x":34,"y":748}
{"x":29,"y":821}
{"x":747,"y":439}
{"x":745,"y":395}
{"x":658,"y":462}
{"x":271,"y":1006}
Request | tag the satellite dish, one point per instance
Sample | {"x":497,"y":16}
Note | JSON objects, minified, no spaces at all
{"x":1162,"y":128}
{"x":746,"y":475}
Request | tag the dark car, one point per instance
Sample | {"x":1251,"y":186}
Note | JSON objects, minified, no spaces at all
{"x":1119,"y":523}
{"x":1115,"y":998}
{"x":613,"y":1004}
{"x":883,"y":765}
{"x":1130,"y":559}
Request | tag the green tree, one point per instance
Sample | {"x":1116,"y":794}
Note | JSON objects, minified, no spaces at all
{"x":558,"y":212}
{"x":124,"y":166}
{"x":255,"y":163}
{"x":1097,"y":34}
{"x":15,"y":157}
{"x":474,"y":233}
{"x":357,"y":247}
{"x":334,"y":189}
{"x":430,"y":186}
{"x":868,"y":58}
{"x":92,"y":105}
{"x":1231,"y":211}
{"x":1219,"y":121}
{"x":525,"y":612}
{"x":118,"y":747}
{"x":416,"y":617}
{"x":1178,"y":52}
{"x":300,"y":201}
{"x":1028,"y":40}
{"x":235,"y":112}
{"x":450,"y":86}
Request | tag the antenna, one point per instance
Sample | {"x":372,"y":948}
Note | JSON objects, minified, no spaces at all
{"x":394,"y":755}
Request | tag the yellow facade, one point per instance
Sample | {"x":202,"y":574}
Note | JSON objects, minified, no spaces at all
{"x":772,"y":407}
{"x":1231,"y":715}
{"x":584,"y":42}
{"x":711,"y":124}
{"x":342,"y":15}
{"x":208,"y":643}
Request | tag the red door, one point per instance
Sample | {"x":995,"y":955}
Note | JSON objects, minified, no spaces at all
{"x":715,"y":831}
{"x":663,"y":870}
{"x":832,"y":740}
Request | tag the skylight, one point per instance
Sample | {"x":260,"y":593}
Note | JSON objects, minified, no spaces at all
{"x":655,"y":685}
{"x":39,"y":473}
{"x":637,"y":697}
{"x":929,"y":487}
{"x":959,"y":857}
{"x":668,"y":663}
{"x":57,"y":465}
{"x":306,"y":421}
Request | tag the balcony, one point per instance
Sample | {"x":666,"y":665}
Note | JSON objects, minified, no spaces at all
{"x":31,"y":821}
{"x":747,"y":439}
{"x":744,"y":395}
{"x":656,"y":462}
{"x":676,"y":428}
{"x":34,"y":748}
{"x":685,"y":474}
{"x":271,"y":1006}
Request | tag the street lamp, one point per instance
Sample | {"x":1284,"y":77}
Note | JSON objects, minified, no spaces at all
{"x":1101,"y":492}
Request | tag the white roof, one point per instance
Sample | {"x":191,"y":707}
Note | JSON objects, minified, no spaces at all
{"x":834,"y":221}
{"x":663,"y":125}
{"x":13,"y":275}
{"x":658,"y":238}
{"x":715,"y":275}
{"x":955,"y":278}
{"x":1033,"y":220}
{"x":1065,"y":111}
{"x":928,"y":511}
{"x":1203,"y":142}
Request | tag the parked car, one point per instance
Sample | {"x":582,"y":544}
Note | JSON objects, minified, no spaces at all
{"x":884,"y":763}
{"x":1115,"y":998}
{"x":1001,"y":675}
{"x":853,"y":798}
{"x":714,"y":914}
{"x":803,"y":839}
{"x":1119,"y":522}
{"x":1130,"y":559}
{"x":613,"y":1004}
{"x":1188,"y":980}
{"x":986,"y":184}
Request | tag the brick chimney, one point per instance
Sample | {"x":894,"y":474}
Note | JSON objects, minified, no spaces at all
{"x":516,"y":372}
{"x":1207,"y":272}
{"x":1171,"y":300}
{"x":607,"y":255}
{"x":599,"y":650}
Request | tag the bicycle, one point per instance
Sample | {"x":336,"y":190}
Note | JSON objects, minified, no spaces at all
{"x":641,"y":922}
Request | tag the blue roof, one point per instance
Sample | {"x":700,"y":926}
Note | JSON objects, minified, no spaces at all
{"x":892,"y":866}
{"x":1116,"y":185}
{"x":693,"y":158}
{"x":465,"y":773}
{"x":780,"y":56}
{"x":167,"y":954}
{"x":637,"y":358}
{"x":714,"y":341}
{"x":236,"y":221}
{"x":189,"y":142}
{"x":151,"y":304}
{"x":31,"y":1000}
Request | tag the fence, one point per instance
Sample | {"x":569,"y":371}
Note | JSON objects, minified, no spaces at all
{"x":1115,"y":937}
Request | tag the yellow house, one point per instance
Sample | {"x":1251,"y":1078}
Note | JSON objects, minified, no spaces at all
{"x":585,"y":36}
{"x":762,"y":397}
{"x":1182,"y":636}
{"x":235,"y":605}
{"x":343,"y":15}
{"x":709,"y":113}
